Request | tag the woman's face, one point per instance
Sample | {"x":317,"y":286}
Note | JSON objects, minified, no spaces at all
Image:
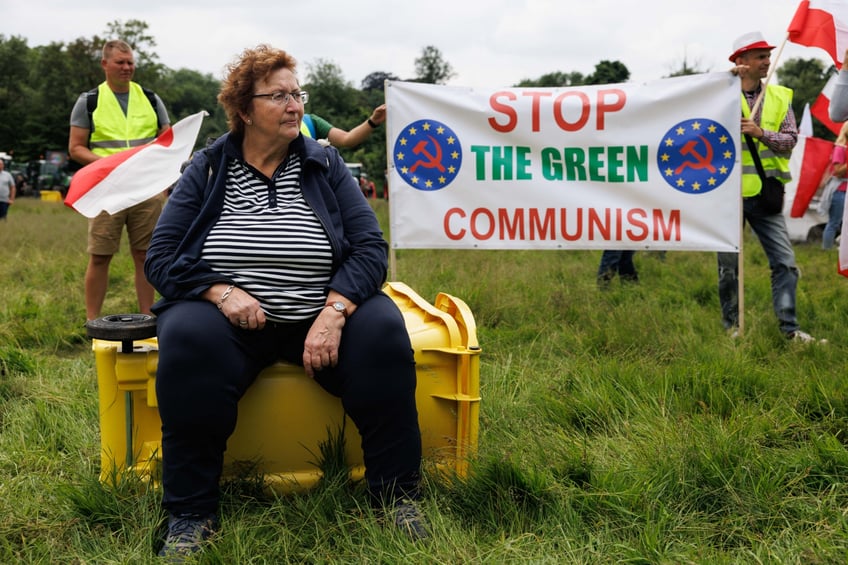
{"x":275,"y":119}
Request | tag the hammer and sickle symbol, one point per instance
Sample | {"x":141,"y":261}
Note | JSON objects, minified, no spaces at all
{"x":433,"y":161}
{"x":701,"y":161}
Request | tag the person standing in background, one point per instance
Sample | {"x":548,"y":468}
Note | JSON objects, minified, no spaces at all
{"x":616,"y":261}
{"x":118,"y":115}
{"x":7,"y":190}
{"x":837,"y":198}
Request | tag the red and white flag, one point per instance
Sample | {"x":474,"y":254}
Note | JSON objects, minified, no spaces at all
{"x":821,"y":107}
{"x":815,"y":158}
{"x":124,"y":179}
{"x":823,"y":24}
{"x":808,"y":163}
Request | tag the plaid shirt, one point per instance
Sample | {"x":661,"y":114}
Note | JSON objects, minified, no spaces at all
{"x":782,"y":141}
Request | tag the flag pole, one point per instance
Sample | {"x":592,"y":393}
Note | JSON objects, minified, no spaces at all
{"x":740,"y":270}
{"x":392,"y":253}
{"x":772,"y":68}
{"x":392,"y":274}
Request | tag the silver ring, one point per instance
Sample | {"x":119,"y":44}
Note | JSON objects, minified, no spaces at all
{"x":242,"y":323}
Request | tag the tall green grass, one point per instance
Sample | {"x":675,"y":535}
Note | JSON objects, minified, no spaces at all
{"x":615,"y":427}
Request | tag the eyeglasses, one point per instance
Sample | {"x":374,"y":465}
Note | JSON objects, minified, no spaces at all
{"x":283,"y":98}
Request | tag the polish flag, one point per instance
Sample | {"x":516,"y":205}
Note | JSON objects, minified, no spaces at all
{"x":821,"y":107}
{"x":815,"y":158}
{"x":824,"y":24}
{"x":121,"y":180}
{"x":807,"y":164}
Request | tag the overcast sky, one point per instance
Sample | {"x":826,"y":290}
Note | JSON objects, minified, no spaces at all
{"x":487,"y":42}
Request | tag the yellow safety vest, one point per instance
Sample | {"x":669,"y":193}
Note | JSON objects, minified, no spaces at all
{"x":114,"y":131}
{"x":774,"y":109}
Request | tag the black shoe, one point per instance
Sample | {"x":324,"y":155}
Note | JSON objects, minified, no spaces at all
{"x":187,"y":533}
{"x":408,"y":518}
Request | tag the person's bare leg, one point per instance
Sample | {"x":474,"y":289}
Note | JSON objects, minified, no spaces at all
{"x":143,"y":289}
{"x":96,"y":281}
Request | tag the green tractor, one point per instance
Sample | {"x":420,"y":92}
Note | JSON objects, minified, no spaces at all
{"x":49,"y":173}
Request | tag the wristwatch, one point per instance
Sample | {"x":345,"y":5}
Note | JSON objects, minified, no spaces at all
{"x":338,"y":307}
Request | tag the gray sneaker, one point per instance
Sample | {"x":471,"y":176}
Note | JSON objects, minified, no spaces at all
{"x":803,"y":337}
{"x":409,"y":519}
{"x":187,"y":533}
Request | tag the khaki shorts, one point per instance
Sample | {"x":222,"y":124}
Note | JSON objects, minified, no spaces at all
{"x":104,"y":231}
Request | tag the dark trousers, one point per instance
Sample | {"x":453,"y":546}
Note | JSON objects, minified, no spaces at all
{"x":616,"y":261}
{"x":206,"y":365}
{"x":774,"y":237}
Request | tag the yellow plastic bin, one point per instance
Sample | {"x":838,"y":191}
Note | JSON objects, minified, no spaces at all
{"x":51,"y":196}
{"x":285,"y":416}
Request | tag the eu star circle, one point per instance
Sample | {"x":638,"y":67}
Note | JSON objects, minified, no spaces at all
{"x":696,"y":156}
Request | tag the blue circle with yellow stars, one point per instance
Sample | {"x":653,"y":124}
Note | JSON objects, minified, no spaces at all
{"x":427,"y":155}
{"x":696,"y":156}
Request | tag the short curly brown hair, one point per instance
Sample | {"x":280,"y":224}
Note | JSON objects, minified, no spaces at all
{"x":237,"y":87}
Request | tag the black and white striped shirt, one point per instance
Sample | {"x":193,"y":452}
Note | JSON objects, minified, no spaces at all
{"x":271,"y":242}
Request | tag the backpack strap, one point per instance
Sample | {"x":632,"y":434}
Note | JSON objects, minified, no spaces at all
{"x":90,"y":106}
{"x":755,"y":155}
{"x":151,"y":96}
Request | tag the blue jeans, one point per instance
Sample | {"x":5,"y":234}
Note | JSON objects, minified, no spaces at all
{"x":617,"y":262}
{"x":774,"y":237}
{"x":834,"y":219}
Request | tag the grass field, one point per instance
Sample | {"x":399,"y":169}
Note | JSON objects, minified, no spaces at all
{"x":615,"y":427}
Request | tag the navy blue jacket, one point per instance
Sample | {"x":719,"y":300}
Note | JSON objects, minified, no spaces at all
{"x":174,"y":265}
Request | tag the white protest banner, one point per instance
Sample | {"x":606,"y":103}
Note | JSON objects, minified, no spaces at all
{"x":620,"y":166}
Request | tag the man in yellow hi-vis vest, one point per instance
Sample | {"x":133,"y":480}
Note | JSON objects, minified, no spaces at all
{"x":116,"y":116}
{"x":774,"y":133}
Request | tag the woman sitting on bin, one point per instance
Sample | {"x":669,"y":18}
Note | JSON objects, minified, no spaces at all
{"x":268,"y":251}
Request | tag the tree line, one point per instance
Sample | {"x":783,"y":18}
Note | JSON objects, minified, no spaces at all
{"x":39,"y":85}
